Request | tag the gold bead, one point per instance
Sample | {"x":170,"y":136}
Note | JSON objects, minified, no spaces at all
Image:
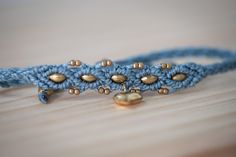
{"x":49,"y":91}
{"x":119,"y":78}
{"x":179,"y":77}
{"x":109,"y":63}
{"x":76,"y":91}
{"x":141,"y":65}
{"x":107,"y":91}
{"x":89,"y":78}
{"x":57,"y":78}
{"x":138,"y":65}
{"x":105,"y":63}
{"x":163,"y":91}
{"x":160,"y":91}
{"x":166,"y":66}
{"x":72,"y":63}
{"x":101,"y":90}
{"x":77,"y":63}
{"x":127,"y":99}
{"x":71,"y":91}
{"x":135,"y":66}
{"x":149,"y":79}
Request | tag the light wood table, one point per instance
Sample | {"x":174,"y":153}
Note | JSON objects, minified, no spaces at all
{"x":196,"y":122}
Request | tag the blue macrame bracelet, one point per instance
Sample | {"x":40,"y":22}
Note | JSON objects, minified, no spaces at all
{"x":131,"y":76}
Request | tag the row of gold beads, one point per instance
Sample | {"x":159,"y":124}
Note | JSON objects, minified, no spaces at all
{"x":148,"y":79}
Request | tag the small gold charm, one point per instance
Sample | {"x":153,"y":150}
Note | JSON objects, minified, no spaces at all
{"x":149,"y":79}
{"x":138,"y":65}
{"x":125,"y":98}
{"x":166,"y":66}
{"x":106,"y":63}
{"x":179,"y":77}
{"x":74,"y":91}
{"x":57,"y":78}
{"x":163,"y":91}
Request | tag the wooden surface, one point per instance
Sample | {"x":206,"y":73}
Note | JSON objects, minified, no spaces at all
{"x":196,"y":122}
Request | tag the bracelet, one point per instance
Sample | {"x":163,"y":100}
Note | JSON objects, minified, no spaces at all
{"x":131,"y":76}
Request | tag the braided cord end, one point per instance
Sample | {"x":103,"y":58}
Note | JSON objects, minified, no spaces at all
{"x":43,"y":97}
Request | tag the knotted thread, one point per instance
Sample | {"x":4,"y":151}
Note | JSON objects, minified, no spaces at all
{"x":39,"y":75}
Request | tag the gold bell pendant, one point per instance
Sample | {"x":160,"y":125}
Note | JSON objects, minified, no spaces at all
{"x":127,"y":98}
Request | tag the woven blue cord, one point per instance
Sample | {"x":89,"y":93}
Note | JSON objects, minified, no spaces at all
{"x":38,"y":75}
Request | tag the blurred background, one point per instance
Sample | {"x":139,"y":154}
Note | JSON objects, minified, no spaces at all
{"x":55,"y":31}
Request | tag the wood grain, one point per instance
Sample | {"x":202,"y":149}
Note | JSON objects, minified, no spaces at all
{"x":196,"y":122}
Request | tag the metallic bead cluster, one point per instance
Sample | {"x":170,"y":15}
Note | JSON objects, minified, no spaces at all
{"x":117,"y":78}
{"x":104,"y":90}
{"x":106,"y":63}
{"x":74,"y":91}
{"x":138,"y":65}
{"x":75,"y":63}
{"x":166,"y":66}
{"x":163,"y":91}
